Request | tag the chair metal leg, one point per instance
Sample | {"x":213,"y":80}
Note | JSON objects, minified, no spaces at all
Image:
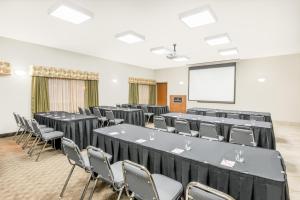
{"x":86,"y":187}
{"x":38,"y":156}
{"x":120,"y":193}
{"x":27,"y":140}
{"x":20,"y":137}
{"x":92,"y":192}
{"x":67,"y":181}
{"x":32,"y":150}
{"x":32,"y":144}
{"x":16,"y":134}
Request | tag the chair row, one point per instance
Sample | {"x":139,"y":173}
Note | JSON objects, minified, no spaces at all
{"x":31,"y":134}
{"x":238,"y":134}
{"x":129,"y":177}
{"x":229,"y":115}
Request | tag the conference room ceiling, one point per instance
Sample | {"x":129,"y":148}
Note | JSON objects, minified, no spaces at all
{"x":257,"y":28}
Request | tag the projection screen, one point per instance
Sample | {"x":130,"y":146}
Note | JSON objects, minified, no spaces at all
{"x":212,"y":83}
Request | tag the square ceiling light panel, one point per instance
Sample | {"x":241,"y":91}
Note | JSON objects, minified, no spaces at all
{"x":70,"y":12}
{"x":198,"y":17}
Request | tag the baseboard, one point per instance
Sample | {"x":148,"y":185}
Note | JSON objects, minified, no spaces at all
{"x":2,"y":135}
{"x":286,"y":123}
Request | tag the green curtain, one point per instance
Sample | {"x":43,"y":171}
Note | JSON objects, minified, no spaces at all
{"x":133,"y":93}
{"x":152,"y":94}
{"x":39,"y":94}
{"x":91,"y":97}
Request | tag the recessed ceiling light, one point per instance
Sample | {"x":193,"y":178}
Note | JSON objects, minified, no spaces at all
{"x":130,"y":37}
{"x":70,"y":12}
{"x":228,"y":52}
{"x":217,"y":40}
{"x":261,"y":80}
{"x":160,"y":50}
{"x":180,"y":58}
{"x":198,"y":17}
{"x":181,"y":82}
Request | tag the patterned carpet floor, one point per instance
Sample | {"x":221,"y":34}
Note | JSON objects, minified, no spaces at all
{"x":23,"y":178}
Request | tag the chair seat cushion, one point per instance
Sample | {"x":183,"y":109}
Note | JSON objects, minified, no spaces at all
{"x":167,"y":188}
{"x":149,"y":114}
{"x":47,"y":130}
{"x":193,"y":133}
{"x":171,"y":129}
{"x":116,"y":121}
{"x":103,"y":119}
{"x":42,"y":126}
{"x":52,"y":135}
{"x":116,"y":169}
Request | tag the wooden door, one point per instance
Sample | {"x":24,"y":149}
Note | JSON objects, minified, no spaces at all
{"x":178,"y":103}
{"x":162,"y":94}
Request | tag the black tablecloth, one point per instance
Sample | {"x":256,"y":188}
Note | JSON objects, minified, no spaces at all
{"x":156,"y":109}
{"x":79,"y":129}
{"x":223,"y":113}
{"x":130,"y":115}
{"x":263,"y":131}
{"x":260,"y":177}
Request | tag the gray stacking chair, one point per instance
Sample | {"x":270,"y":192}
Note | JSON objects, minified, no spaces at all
{"x":211,"y":113}
{"x":101,"y":119}
{"x":18,"y":124}
{"x":198,"y":191}
{"x":111,"y":118}
{"x":102,"y":170}
{"x":87,"y":111}
{"x":23,"y":128}
{"x":145,"y":186}
{"x":242,"y":136}
{"x":118,"y":105}
{"x":209,"y":131}
{"x":183,"y":128}
{"x":44,"y":137}
{"x":147,"y":114}
{"x":233,"y":116}
{"x":81,"y":111}
{"x":257,"y":118}
{"x":75,"y":158}
{"x":160,"y":124}
{"x":192,"y":112}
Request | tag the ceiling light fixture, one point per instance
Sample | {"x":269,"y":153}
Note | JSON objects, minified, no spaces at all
{"x":228,"y":52}
{"x":198,"y":17}
{"x":70,"y":12}
{"x":130,"y":37}
{"x":160,"y":51}
{"x":217,"y":40}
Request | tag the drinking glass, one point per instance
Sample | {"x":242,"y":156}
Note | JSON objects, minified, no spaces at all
{"x":152,"y":135}
{"x":239,"y":156}
{"x":187,"y":145}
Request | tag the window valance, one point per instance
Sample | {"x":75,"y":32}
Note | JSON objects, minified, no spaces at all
{"x":142,"y":81}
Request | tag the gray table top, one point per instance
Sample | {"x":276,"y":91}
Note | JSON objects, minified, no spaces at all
{"x":258,"y":162}
{"x":231,"y":111}
{"x":118,"y":108}
{"x":65,"y":116}
{"x":240,"y":122}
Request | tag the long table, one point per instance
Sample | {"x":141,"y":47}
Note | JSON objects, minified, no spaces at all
{"x":76,"y":127}
{"x":156,"y":109}
{"x":223,"y":113}
{"x":263,"y":131}
{"x":260,"y":177}
{"x":130,"y":115}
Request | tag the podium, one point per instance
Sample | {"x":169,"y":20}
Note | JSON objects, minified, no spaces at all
{"x":178,"y":103}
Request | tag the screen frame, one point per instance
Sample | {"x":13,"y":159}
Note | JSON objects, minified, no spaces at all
{"x":222,"y":65}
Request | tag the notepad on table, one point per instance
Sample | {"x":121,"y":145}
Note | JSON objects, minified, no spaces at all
{"x":177,"y":151}
{"x":113,"y":133}
{"x":140,"y":141}
{"x":227,"y":163}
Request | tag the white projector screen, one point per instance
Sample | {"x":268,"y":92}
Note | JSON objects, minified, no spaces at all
{"x":214,"y":83}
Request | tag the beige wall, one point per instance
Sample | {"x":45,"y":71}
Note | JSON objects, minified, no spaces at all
{"x":16,"y":90}
{"x":279,"y":94}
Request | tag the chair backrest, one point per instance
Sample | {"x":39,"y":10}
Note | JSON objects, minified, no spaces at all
{"x":72,"y":152}
{"x":16,"y":119}
{"x":182,"y":126}
{"x":97,"y":112}
{"x":138,"y":180}
{"x":208,"y":130}
{"x":242,"y":136}
{"x":144,"y":108}
{"x":118,"y":105}
{"x":87,"y":111}
{"x":160,"y":122}
{"x":35,"y":128}
{"x":211,"y":113}
{"x":233,"y":115}
{"x":27,"y":125}
{"x":193,"y":112}
{"x":198,"y":191}
{"x":81,"y":111}
{"x":100,"y":164}
{"x":109,"y":115}
{"x":125,"y":105}
{"x":257,"y":117}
